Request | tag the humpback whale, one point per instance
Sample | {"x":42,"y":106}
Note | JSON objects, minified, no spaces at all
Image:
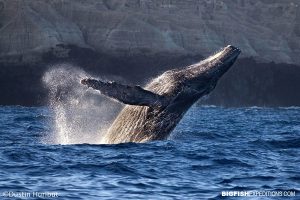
{"x":151,"y":113}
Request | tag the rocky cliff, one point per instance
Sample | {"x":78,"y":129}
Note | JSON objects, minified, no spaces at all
{"x":127,"y":37}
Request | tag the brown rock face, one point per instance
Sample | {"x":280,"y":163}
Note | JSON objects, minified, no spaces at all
{"x":114,"y":36}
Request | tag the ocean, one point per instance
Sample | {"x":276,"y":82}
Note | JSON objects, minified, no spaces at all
{"x":214,"y":153}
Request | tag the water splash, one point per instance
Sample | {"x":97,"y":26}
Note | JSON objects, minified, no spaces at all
{"x":81,"y":115}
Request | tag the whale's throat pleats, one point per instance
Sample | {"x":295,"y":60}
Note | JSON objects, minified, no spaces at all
{"x":128,"y":126}
{"x":146,"y":123}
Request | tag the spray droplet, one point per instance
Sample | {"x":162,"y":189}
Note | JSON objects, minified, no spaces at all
{"x":81,"y":115}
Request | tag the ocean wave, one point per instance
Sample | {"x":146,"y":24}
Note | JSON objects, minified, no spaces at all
{"x":214,"y":149}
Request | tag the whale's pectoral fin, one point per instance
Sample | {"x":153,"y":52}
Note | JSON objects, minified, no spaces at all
{"x":132,"y":95}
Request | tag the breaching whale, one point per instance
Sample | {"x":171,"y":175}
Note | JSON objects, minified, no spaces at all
{"x":152,"y":113}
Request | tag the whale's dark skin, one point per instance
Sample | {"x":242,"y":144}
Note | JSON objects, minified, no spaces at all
{"x":152,"y":113}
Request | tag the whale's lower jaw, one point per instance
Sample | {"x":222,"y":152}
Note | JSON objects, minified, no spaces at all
{"x":152,"y":113}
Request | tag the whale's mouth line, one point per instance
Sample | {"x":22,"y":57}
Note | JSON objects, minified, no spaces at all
{"x":222,"y":62}
{"x":214,"y":66}
{"x":229,"y":53}
{"x":219,"y":61}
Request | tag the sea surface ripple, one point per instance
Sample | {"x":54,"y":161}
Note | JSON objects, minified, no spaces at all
{"x":213,"y":149}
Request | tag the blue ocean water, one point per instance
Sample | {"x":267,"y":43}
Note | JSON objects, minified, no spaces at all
{"x":212,"y":150}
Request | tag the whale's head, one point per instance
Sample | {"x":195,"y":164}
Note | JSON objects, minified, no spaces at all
{"x":201,"y":78}
{"x":187,"y":85}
